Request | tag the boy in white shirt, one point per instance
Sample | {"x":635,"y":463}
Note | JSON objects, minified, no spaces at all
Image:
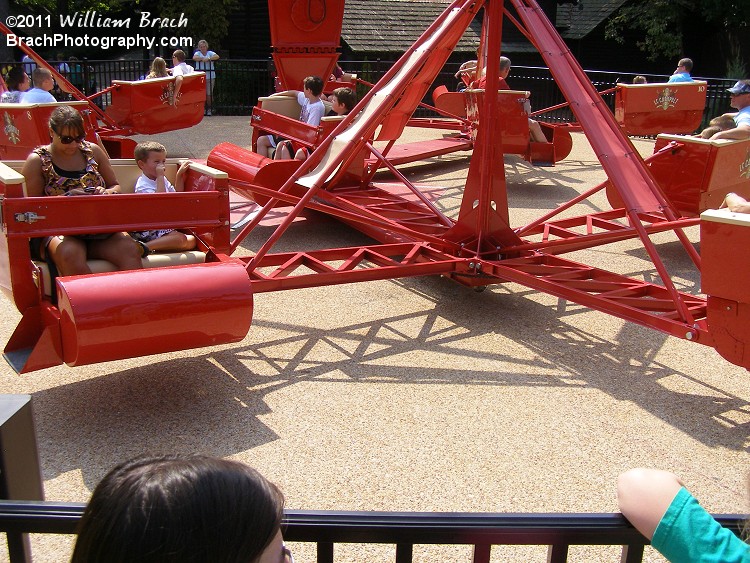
{"x":152,"y":158}
{"x":312,"y":110}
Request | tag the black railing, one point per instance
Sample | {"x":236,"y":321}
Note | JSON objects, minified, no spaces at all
{"x":403,"y":530}
{"x":239,"y":83}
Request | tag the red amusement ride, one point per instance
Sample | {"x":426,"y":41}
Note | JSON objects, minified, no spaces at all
{"x":82,"y":319}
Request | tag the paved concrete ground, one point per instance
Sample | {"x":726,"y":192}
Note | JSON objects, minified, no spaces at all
{"x":416,"y":394}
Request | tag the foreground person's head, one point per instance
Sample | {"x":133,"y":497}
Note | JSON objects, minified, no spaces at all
{"x":187,"y":509}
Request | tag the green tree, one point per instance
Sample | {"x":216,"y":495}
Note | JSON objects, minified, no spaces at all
{"x":663,"y":25}
{"x":209,"y":21}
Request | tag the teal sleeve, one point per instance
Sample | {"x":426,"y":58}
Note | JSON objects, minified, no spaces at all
{"x":687,"y":534}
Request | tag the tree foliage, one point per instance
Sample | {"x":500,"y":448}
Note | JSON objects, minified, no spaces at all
{"x":206,"y":20}
{"x":660,"y":22}
{"x":663,"y":24}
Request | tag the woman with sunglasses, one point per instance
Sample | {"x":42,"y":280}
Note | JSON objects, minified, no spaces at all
{"x":71,"y":166}
{"x":186,"y":509}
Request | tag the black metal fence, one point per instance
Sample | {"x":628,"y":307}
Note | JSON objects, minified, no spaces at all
{"x":239,"y":83}
{"x":403,"y":530}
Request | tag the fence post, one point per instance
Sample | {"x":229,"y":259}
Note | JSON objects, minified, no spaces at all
{"x":20,"y":473}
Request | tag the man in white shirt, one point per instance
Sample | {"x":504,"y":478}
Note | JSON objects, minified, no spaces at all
{"x":43,"y":83}
{"x":179,"y":69}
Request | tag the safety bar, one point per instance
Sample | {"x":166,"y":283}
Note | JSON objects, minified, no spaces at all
{"x":402,"y":529}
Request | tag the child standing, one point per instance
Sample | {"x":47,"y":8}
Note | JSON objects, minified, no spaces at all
{"x":152,"y":158}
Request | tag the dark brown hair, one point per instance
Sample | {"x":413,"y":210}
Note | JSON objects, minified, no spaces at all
{"x":16,"y":77}
{"x":314,"y":84}
{"x":66,"y":118}
{"x":346,"y":97}
{"x":186,"y":509}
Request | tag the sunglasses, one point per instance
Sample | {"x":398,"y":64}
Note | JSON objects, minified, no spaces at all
{"x":67,"y":139}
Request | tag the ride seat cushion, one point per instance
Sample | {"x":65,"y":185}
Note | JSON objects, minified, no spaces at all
{"x":150,"y":261}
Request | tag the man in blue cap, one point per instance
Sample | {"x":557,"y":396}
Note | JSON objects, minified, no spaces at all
{"x":740,"y":101}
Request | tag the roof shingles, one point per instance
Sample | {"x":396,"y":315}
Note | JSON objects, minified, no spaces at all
{"x":393,"y":25}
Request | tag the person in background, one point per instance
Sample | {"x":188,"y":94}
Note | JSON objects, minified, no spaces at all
{"x":18,"y":82}
{"x":71,"y":166}
{"x":172,"y":509}
{"x":640,"y":80}
{"x":76,"y":72}
{"x":662,"y":509}
{"x":29,"y":64}
{"x":151,"y":158}
{"x":535,"y":130}
{"x":682,"y":72}
{"x":204,"y":61}
{"x":466,"y":73}
{"x":719,"y":123}
{"x":63,"y":69}
{"x":158,"y":69}
{"x":180,"y":69}
{"x":740,"y":100}
{"x":40,"y":93}
{"x":337,"y":72}
{"x":503,"y":71}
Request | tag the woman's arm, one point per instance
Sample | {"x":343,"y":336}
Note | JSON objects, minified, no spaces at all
{"x":644,"y":495}
{"x":112,"y":186}
{"x":32,"y":173}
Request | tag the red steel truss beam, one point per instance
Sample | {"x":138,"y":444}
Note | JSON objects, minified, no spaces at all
{"x":294,"y":270}
{"x":558,"y":237}
{"x":633,"y":300}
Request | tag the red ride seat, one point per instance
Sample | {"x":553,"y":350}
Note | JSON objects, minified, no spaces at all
{"x":650,"y":109}
{"x":26,"y":126}
{"x":145,"y":105}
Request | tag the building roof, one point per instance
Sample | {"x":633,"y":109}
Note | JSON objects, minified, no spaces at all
{"x":576,"y":22}
{"x":392,"y":26}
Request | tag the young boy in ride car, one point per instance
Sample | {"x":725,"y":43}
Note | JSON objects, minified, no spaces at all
{"x":312,"y":109}
{"x":342,"y":101}
{"x":152,"y":159}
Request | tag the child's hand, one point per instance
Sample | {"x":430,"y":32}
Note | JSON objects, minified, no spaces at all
{"x":184,"y":165}
{"x":160,"y":168}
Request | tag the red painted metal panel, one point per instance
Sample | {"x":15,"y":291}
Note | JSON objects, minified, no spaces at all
{"x":451,"y":102}
{"x":305,"y":35}
{"x":252,"y":168}
{"x":725,"y":247}
{"x":513,"y":123}
{"x":140,"y":312}
{"x":696,"y":174}
{"x":146,"y":107}
{"x":25,"y":127}
{"x":650,"y":109}
{"x":114,"y":213}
